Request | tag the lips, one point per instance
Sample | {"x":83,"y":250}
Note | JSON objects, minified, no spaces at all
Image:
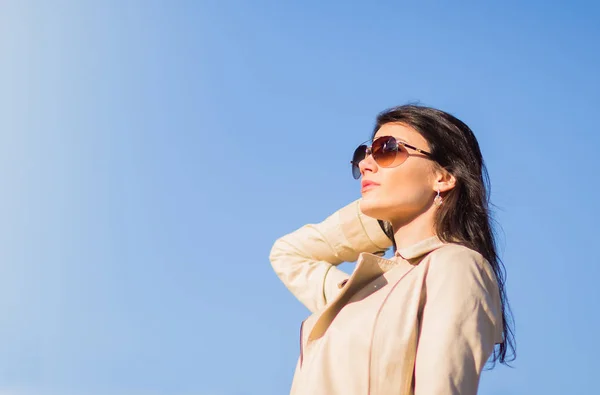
{"x":366,"y":185}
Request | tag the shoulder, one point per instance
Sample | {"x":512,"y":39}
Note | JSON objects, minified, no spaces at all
{"x":457,"y":255}
{"x":462,"y":283}
{"x":455,"y":260}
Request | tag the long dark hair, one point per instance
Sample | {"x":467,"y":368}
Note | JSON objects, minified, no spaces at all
{"x":464,"y":218}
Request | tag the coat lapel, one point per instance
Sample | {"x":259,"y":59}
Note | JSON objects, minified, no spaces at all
{"x":368,"y":268}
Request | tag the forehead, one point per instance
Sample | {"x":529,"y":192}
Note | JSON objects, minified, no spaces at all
{"x":403,"y":132}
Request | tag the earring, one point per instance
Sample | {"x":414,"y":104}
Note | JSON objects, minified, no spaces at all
{"x":438,"y":199}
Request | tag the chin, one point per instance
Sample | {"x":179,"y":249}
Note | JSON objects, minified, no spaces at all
{"x":372,"y":207}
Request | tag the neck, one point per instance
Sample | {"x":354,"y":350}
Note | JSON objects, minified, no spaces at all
{"x":410,"y":231}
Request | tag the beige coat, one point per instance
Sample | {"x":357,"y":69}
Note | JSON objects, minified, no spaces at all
{"x":424,"y":323}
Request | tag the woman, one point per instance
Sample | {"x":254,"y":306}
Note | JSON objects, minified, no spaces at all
{"x":425,"y":321}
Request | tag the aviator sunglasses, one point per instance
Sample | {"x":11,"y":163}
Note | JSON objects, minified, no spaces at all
{"x":387,"y":151}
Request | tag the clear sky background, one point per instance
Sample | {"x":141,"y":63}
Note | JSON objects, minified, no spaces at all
{"x":151,"y":152}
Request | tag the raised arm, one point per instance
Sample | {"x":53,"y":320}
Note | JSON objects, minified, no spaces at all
{"x":461,"y":321}
{"x":305,"y":259}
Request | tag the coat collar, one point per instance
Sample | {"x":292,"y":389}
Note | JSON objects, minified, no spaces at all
{"x":419,"y":249}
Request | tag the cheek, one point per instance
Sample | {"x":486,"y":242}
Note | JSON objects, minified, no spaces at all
{"x":403,"y":192}
{"x":408,"y":188}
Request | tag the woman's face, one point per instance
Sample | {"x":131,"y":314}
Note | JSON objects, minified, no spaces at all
{"x":403,"y":192}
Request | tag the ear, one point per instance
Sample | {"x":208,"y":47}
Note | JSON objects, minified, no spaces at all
{"x":443,"y":181}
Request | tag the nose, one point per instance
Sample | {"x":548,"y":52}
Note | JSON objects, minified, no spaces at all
{"x":367,"y":164}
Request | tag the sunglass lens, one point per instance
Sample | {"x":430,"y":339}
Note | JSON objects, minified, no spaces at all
{"x":388,"y":153}
{"x":385,"y":150}
{"x":359,"y":155}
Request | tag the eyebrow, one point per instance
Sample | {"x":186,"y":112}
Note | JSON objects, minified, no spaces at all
{"x":389,"y":135}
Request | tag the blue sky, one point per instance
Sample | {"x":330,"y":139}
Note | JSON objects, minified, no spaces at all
{"x":151,"y":153}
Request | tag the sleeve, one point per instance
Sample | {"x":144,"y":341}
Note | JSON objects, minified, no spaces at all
{"x":460,"y":323}
{"x":306,"y":259}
